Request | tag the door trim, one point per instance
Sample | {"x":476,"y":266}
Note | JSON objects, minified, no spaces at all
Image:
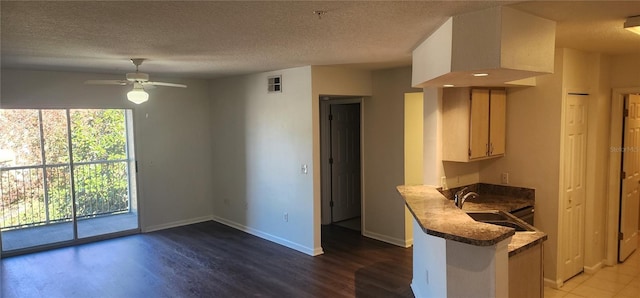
{"x":613,"y":204}
{"x":325,"y":173}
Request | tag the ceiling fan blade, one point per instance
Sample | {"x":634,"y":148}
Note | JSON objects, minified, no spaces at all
{"x":164,"y":84}
{"x":106,"y":82}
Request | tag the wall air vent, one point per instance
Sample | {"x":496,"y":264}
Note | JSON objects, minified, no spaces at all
{"x":274,"y":84}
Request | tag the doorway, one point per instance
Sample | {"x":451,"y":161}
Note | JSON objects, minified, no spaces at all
{"x":630,"y":180}
{"x":341,"y":166}
{"x":623,"y":207}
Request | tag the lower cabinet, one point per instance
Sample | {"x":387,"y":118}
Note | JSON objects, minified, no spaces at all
{"x":525,"y":273}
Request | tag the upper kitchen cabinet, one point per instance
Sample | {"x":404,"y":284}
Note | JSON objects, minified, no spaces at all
{"x":473,"y":121}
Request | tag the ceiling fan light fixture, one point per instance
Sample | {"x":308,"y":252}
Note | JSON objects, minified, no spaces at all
{"x":137,"y":95}
{"x":633,"y":24}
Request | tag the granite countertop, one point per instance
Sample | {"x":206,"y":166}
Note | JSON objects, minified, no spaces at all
{"x":496,"y":202}
{"x":438,"y":216}
{"x":521,"y":241}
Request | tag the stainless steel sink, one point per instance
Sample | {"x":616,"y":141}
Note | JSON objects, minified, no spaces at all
{"x":500,"y":218}
{"x":488,"y":215}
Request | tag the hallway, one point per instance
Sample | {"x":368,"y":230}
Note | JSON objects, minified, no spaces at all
{"x":619,"y":281}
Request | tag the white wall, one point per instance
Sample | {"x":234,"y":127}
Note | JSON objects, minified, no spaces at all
{"x":383,"y":150}
{"x":625,"y":71}
{"x":260,"y":140}
{"x":340,"y":81}
{"x":413,"y":150}
{"x":171,"y":136}
{"x":173,"y":145}
{"x":432,"y":58}
{"x":335,"y":80}
{"x":432,"y":128}
{"x":332,"y":81}
{"x":385,"y":216}
{"x":447,"y":268}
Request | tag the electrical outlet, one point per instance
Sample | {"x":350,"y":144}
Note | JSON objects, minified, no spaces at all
{"x":285,"y":217}
{"x":504,"y":178}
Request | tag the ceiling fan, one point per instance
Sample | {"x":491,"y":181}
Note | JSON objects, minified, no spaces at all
{"x":139,"y":80}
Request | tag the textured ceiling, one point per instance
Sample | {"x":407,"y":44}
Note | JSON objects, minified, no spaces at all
{"x":592,"y":26}
{"x":209,"y":39}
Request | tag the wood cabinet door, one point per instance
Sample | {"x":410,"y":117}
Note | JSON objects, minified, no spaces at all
{"x":479,"y":124}
{"x":456,"y":109}
{"x":497,"y":122}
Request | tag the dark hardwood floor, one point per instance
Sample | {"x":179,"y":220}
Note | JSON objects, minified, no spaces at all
{"x":211,"y":260}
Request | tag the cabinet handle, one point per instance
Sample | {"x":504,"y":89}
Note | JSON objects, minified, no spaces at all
{"x":487,"y":149}
{"x":491,"y":151}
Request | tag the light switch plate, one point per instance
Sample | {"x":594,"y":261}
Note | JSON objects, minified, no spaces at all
{"x":504,"y":178}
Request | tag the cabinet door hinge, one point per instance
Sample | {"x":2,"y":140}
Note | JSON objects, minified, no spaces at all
{"x":330,"y":117}
{"x":469,"y":152}
{"x":623,"y":175}
{"x":620,"y":236}
{"x":625,"y":113}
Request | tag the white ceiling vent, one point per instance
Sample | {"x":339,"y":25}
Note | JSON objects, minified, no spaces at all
{"x":274,"y":84}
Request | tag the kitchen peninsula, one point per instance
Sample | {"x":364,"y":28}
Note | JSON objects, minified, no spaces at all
{"x":456,"y":256}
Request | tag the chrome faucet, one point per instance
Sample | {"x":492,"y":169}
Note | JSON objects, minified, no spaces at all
{"x":460,"y":197}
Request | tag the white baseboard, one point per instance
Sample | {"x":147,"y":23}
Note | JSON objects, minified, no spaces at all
{"x":593,"y":269}
{"x":391,"y":240}
{"x":408,"y":243}
{"x":317,"y":251}
{"x":587,"y":269}
{"x":284,"y":242}
{"x":556,"y":284}
{"x":416,"y":290}
{"x":176,"y":224}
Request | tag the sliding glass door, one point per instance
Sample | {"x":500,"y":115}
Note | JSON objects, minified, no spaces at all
{"x":34,"y":179}
{"x":65,"y":175}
